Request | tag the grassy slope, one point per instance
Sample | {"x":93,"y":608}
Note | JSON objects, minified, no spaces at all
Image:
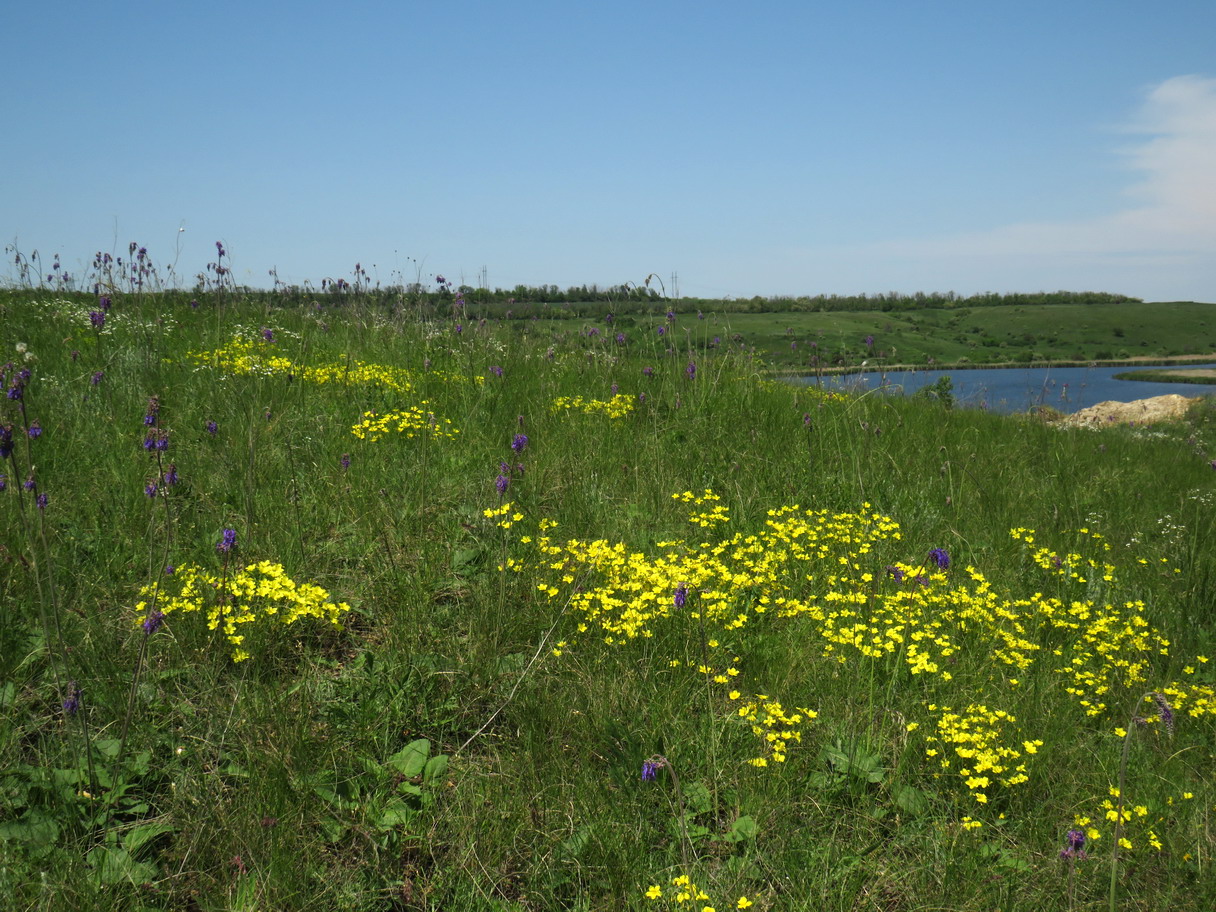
{"x":280,"y":782}
{"x":991,"y":334}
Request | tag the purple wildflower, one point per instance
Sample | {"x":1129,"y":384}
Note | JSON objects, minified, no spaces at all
{"x":228,"y":542}
{"x":681,"y":596}
{"x":648,"y":371}
{"x":345,"y":461}
{"x":171,"y":474}
{"x":104,"y":302}
{"x":98,"y":376}
{"x":520,"y":441}
{"x":691,"y":371}
{"x":671,"y":315}
{"x":1074,"y":845}
{"x":620,"y":338}
{"x":212,"y":427}
{"x":267,"y":334}
{"x":459,"y":329}
{"x":940,"y":557}
{"x":896,"y":574}
{"x":15,"y":391}
{"x":98,"y":318}
{"x":501,"y":483}
{"x":42,"y":500}
{"x":1165,"y":712}
{"x":150,"y":489}
{"x":651,"y":767}
{"x":170,"y":570}
{"x":6,"y":440}
{"x":153,"y":622}
{"x":662,"y":330}
{"x":496,"y":371}
{"x":29,"y":483}
{"x":71,"y":703}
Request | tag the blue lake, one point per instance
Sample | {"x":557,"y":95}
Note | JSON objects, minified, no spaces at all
{"x":1017,"y":389}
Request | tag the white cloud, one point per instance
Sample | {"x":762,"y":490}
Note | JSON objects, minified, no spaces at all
{"x":1158,"y":242}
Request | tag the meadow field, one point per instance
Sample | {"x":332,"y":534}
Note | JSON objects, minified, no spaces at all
{"x":335,"y":603}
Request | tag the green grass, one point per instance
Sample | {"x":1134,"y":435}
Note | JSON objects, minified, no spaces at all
{"x":457,"y":742}
{"x":984,"y":335}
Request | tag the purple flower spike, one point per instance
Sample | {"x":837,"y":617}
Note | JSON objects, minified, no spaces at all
{"x":42,"y":500}
{"x":171,"y":475}
{"x":153,"y":622}
{"x":651,"y":767}
{"x":1074,"y":845}
{"x":98,"y":376}
{"x":520,"y":441}
{"x":212,"y":427}
{"x":1165,"y":712}
{"x":98,"y":318}
{"x":496,"y":371}
{"x":501,"y":483}
{"x":345,"y":461}
{"x":228,"y":542}
{"x":35,"y":431}
{"x":681,"y":596}
{"x":150,"y":489}
{"x":71,"y":703}
{"x":941,"y":558}
{"x":691,"y":371}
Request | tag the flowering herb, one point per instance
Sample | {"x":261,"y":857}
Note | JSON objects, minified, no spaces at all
{"x":1074,"y":845}
{"x":520,"y":441}
{"x":153,"y":622}
{"x":681,"y":596}
{"x":939,"y":557}
{"x":212,"y":427}
{"x":501,"y":483}
{"x":227,"y":542}
{"x":71,"y":702}
{"x":35,"y":431}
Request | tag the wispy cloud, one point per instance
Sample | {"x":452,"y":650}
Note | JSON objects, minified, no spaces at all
{"x":1158,"y":240}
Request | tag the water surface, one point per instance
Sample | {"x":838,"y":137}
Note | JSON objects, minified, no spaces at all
{"x":1017,"y":389}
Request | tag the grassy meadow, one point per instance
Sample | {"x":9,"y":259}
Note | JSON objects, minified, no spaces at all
{"x":341,"y":606}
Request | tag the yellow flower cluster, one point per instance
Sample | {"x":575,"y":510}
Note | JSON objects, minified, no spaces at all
{"x":247,"y":356}
{"x":412,"y":421}
{"x":260,"y":593}
{"x":618,"y":406}
{"x":1069,"y":566}
{"x":829,"y":573}
{"x":506,"y":515}
{"x":684,"y":894}
{"x":715,"y":515}
{"x":774,"y":726}
{"x":974,"y":744}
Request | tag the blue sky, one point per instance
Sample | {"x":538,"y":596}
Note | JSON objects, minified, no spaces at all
{"x":768,"y":148}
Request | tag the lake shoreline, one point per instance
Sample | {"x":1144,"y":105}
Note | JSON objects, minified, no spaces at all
{"x":838,"y":370}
